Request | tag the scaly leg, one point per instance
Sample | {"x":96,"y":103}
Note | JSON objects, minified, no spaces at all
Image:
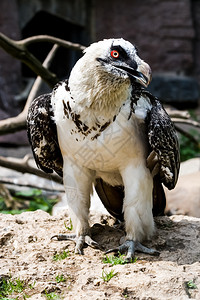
{"x":78,"y":184}
{"x":139,"y":224}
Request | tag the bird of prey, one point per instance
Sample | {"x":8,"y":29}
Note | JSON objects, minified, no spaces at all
{"x":102,"y":127}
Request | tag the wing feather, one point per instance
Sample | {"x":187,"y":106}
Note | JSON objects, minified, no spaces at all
{"x":42,"y":135}
{"x":164,"y":142}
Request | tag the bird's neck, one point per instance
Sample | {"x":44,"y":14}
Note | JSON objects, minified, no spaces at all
{"x":97,"y":96}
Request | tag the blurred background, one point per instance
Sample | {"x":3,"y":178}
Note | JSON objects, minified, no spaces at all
{"x":166,"y":33}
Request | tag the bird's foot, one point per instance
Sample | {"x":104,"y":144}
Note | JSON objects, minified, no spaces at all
{"x":79,"y":241}
{"x":130,"y":247}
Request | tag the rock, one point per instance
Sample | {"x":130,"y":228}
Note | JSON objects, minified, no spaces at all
{"x":185,"y":198}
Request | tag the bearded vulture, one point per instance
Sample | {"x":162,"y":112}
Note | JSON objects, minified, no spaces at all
{"x":101,"y":127}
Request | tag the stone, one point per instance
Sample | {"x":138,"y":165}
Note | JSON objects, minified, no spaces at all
{"x":185,"y":198}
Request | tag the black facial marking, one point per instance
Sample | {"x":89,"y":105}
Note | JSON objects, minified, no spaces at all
{"x":122,"y":53}
{"x":103,"y":61}
{"x":124,"y":56}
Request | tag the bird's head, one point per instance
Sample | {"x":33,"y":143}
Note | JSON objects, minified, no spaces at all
{"x":120,"y":59}
{"x":105,"y":75}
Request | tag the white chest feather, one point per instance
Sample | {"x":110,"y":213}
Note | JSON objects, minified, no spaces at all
{"x":96,"y":142}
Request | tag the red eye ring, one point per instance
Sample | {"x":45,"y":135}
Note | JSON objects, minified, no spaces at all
{"x":114,"y":53}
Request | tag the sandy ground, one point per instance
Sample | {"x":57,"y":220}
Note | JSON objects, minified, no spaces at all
{"x":26,"y":252}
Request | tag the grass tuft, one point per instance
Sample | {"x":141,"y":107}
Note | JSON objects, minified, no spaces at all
{"x":28,"y":200}
{"x":60,"y":278}
{"x":191,"y":285}
{"x":70,"y":227}
{"x":61,"y":255}
{"x":106,"y":276}
{"x":189,"y":149}
{"x":117,"y":260}
{"x":52,"y":296}
{"x":9,"y":286}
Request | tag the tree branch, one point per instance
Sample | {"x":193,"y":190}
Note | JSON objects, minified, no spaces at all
{"x":18,"y":49}
{"x":50,"y":39}
{"x":27,"y":184}
{"x":188,"y":122}
{"x":18,"y":123}
{"x":20,"y":52}
{"x":187,"y":134}
{"x":174,"y":113}
{"x":22,"y":165}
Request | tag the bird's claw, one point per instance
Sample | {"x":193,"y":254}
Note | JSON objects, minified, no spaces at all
{"x":79,"y":241}
{"x":63,"y":237}
{"x":130,"y":247}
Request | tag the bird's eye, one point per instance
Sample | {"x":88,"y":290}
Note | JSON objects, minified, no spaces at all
{"x":114,"y":53}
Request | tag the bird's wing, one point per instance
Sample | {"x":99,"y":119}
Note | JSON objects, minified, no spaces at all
{"x":42,"y":135}
{"x":112,"y":198}
{"x":163,"y":143}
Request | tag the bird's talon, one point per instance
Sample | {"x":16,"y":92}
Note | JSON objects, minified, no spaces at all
{"x":54,"y":236}
{"x":80,"y":241}
{"x":64,"y":237}
{"x":132,"y":246}
{"x":78,"y":250}
{"x":115,"y":251}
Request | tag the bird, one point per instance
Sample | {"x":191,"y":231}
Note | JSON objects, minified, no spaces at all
{"x":102,"y":127}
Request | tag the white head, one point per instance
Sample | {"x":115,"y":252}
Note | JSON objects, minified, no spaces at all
{"x":110,"y":66}
{"x":120,"y":58}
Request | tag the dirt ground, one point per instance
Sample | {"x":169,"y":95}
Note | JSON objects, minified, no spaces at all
{"x":27,"y":252}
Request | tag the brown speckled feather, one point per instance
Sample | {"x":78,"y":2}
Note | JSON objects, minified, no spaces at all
{"x":42,"y":135}
{"x":164,"y":142}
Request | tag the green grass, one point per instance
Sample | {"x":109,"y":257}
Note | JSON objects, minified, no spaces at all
{"x":28,"y":200}
{"x":61,"y":255}
{"x":10,"y":286}
{"x":117,"y":260}
{"x":106,"y":276}
{"x":60,"y":278}
{"x":70,"y":227}
{"x":9,"y":298}
{"x":52,"y":296}
{"x":189,"y":149}
{"x":31,"y":285}
{"x":191,"y":285}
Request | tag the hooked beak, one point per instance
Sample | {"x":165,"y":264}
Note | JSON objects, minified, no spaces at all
{"x":141,"y":75}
